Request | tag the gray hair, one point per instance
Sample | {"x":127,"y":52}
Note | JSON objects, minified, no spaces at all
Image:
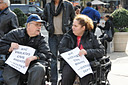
{"x":7,"y":2}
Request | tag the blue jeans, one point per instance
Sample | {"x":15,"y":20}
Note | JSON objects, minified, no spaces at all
{"x":54,"y":41}
{"x":2,"y":60}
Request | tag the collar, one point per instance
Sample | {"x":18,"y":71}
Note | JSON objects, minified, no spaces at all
{"x":70,"y":32}
{"x":4,"y":11}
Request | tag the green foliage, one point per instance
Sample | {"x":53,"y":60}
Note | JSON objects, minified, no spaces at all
{"x":22,"y":18}
{"x":120,"y":19}
{"x":116,"y":30}
{"x":121,"y":30}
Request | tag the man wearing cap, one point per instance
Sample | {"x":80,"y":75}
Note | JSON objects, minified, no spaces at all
{"x":29,"y":36}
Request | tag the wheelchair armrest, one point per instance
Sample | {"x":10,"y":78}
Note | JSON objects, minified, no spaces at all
{"x":104,"y":58}
{"x":106,"y":64}
{"x":94,"y":64}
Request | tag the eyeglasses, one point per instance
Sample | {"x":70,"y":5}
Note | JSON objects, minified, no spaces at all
{"x":37,"y":25}
{"x":1,"y":2}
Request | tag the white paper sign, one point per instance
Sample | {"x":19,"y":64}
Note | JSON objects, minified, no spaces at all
{"x":78,"y":63}
{"x":18,"y":56}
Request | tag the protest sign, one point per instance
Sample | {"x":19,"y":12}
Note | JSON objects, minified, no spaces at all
{"x":78,"y":63}
{"x":18,"y":56}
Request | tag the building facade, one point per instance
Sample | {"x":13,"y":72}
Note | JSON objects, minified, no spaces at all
{"x":41,"y":3}
{"x":124,"y":4}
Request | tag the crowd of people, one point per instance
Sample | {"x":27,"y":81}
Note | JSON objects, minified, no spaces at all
{"x":68,"y":27}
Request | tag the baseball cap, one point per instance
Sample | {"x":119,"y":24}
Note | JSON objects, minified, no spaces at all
{"x":34,"y":17}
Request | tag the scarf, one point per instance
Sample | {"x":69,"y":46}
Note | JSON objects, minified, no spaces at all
{"x":59,"y":8}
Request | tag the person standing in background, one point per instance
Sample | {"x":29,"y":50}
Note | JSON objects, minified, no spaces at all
{"x":59,"y":16}
{"x":8,"y":21}
{"x":77,"y":9}
{"x":104,"y":38}
{"x":93,"y":14}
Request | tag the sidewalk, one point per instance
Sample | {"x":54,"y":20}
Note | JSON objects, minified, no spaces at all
{"x":119,"y":71}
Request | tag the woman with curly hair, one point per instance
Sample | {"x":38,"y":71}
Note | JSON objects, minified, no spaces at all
{"x":80,"y":36}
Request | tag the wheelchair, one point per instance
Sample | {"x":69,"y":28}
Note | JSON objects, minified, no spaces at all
{"x":24,"y":78}
{"x":101,"y":67}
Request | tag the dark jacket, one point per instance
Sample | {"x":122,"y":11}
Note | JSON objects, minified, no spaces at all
{"x":67,"y":17}
{"x":8,"y":21}
{"x":89,"y":42}
{"x":21,"y":37}
{"x":108,"y":25}
{"x":92,"y":13}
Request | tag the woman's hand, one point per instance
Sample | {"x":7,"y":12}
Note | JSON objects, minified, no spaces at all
{"x":29,"y":59}
{"x":82,"y":52}
{"x":13,"y":46}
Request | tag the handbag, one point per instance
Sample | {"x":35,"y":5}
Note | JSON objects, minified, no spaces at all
{"x":109,"y":35}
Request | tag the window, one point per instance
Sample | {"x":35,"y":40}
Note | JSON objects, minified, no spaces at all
{"x":32,"y":9}
{"x":15,"y":1}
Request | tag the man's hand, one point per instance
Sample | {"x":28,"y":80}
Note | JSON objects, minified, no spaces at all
{"x":13,"y":46}
{"x":82,"y":52}
{"x":29,"y":59}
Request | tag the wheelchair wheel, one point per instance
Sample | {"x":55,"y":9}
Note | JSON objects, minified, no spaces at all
{"x":59,"y":83}
{"x":91,"y":83}
{"x":107,"y":82}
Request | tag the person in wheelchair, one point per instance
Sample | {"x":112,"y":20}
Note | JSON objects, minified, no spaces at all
{"x":29,"y":36}
{"x":80,"y":36}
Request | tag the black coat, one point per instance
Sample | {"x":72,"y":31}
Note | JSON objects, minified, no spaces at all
{"x":89,"y":42}
{"x":67,"y":17}
{"x":108,"y":25}
{"x":21,"y":37}
{"x":8,"y":21}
